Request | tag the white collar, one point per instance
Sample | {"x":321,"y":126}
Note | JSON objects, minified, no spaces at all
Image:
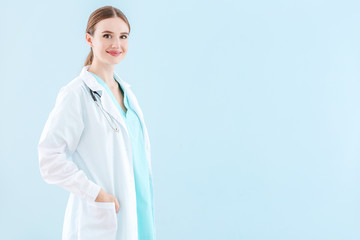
{"x":93,"y":84}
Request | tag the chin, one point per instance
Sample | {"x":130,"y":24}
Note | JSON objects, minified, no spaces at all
{"x":119,"y":60}
{"x":113,"y":61}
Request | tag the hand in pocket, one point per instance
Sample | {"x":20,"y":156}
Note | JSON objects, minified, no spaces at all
{"x":106,"y":197}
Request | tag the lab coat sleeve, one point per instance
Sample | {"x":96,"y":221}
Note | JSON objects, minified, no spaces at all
{"x":58,"y":141}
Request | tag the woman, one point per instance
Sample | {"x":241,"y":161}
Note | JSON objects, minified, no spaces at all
{"x":95,"y":143}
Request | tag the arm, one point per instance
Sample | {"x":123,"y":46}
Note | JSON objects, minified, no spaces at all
{"x":58,"y":141}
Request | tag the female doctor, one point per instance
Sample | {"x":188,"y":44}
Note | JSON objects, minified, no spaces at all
{"x":95,"y":143}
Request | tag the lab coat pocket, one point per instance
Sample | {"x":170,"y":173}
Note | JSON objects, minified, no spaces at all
{"x":97,"y":220}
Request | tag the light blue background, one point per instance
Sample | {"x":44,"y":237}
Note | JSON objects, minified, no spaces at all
{"x":252,"y":109}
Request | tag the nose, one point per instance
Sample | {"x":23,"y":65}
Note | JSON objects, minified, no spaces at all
{"x":116,"y":43}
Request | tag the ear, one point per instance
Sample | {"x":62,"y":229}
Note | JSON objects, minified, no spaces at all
{"x":88,"y":39}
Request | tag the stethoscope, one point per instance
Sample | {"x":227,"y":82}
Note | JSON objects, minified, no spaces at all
{"x":116,"y":129}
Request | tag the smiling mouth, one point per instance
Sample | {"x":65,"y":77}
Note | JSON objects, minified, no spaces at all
{"x":114,"y":53}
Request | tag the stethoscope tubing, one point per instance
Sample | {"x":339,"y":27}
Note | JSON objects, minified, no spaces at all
{"x":116,"y":129}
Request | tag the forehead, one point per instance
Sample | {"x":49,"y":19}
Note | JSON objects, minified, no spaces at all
{"x":115,"y":25}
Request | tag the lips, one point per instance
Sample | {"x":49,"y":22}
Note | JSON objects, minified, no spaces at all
{"x":114,"y":53}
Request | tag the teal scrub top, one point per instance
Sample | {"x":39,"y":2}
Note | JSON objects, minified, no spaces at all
{"x":143,"y":184}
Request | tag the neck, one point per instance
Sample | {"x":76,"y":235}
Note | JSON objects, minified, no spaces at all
{"x":105,"y":72}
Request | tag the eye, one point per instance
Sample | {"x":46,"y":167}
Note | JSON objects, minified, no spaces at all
{"x":124,"y":36}
{"x":106,"y":35}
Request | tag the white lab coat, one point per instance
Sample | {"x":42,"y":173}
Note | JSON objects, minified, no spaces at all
{"x":79,"y":151}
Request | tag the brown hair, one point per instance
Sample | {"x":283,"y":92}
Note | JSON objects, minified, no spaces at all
{"x":98,"y":15}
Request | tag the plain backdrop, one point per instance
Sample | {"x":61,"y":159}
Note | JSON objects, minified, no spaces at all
{"x":252,"y":109}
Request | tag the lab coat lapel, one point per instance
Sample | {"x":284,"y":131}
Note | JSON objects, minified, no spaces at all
{"x":106,"y":101}
{"x":110,"y":108}
{"x":135,"y":106}
{"x":132,"y":99}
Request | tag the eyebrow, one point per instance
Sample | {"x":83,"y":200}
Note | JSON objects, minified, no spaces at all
{"x":112,"y":32}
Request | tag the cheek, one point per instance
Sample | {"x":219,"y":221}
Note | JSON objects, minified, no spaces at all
{"x":125,"y":47}
{"x":100,"y":48}
{"x":103,"y":47}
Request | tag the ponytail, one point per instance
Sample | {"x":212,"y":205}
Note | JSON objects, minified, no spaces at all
{"x":89,"y":58}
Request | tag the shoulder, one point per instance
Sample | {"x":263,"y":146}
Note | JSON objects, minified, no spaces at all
{"x":74,"y":90}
